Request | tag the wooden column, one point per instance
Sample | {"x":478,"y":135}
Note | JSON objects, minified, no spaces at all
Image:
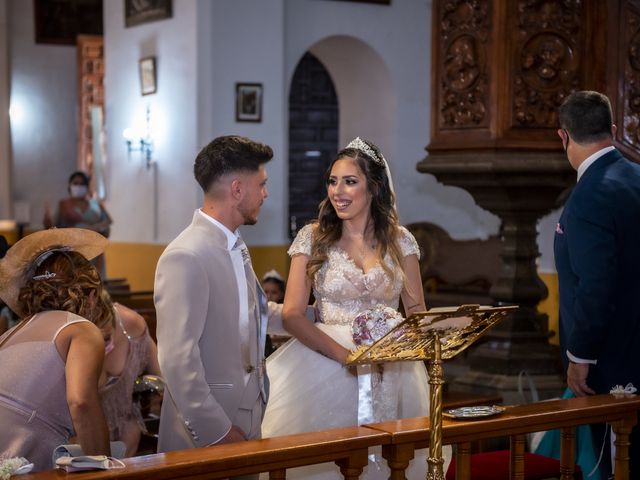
{"x":398,"y":458}
{"x":516,"y":458}
{"x":352,"y":466}
{"x":90,"y":93}
{"x":568,"y":453}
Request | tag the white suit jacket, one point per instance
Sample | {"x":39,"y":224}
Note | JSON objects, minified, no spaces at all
{"x":196,"y":300}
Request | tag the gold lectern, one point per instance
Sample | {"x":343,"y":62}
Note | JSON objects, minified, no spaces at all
{"x":435,"y":335}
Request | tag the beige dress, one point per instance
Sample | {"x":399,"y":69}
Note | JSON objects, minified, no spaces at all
{"x":117,"y":395}
{"x":34,"y":414}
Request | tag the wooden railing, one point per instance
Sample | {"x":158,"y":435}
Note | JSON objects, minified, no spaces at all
{"x":348,"y":447}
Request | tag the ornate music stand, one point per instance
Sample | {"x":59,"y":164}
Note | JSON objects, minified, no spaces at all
{"x":435,"y":335}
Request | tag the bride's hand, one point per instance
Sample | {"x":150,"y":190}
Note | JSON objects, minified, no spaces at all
{"x":342,"y":359}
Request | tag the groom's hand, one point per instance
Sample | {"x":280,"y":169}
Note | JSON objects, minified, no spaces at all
{"x":235,"y":435}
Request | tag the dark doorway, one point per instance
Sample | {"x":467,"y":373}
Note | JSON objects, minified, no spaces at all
{"x":313,"y":139}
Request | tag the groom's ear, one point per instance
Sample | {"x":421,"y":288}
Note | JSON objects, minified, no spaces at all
{"x":236,"y":188}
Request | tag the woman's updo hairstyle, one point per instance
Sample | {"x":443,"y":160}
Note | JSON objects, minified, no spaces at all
{"x":63,"y":280}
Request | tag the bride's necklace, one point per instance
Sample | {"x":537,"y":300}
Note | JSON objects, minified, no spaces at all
{"x":366,"y":249}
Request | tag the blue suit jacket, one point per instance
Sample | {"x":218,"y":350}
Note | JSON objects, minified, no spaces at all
{"x":597,"y":254}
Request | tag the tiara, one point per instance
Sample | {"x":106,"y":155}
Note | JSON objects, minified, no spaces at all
{"x":45,"y":276}
{"x":361,"y":145}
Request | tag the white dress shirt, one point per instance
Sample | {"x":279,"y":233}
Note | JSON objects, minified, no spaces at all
{"x":241,"y":281}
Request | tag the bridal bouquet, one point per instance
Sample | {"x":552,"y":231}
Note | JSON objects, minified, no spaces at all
{"x":371,"y":325}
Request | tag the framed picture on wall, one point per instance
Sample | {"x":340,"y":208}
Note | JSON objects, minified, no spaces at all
{"x":248,"y":102}
{"x":148,"y":82}
{"x":137,"y":11}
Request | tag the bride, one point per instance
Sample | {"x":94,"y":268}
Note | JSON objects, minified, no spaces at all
{"x":355,"y":257}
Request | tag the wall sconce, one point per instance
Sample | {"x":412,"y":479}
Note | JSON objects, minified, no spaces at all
{"x":140,"y":142}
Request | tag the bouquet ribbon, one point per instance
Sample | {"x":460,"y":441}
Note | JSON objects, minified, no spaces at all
{"x":377,"y":394}
{"x":365,"y":394}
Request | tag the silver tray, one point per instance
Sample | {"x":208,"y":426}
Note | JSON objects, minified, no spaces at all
{"x":478,"y":411}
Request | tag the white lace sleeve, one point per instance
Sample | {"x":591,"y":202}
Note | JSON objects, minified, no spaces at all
{"x":302,"y":242}
{"x":408,"y":244}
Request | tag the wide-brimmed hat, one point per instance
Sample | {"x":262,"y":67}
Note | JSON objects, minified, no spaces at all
{"x":18,"y":263}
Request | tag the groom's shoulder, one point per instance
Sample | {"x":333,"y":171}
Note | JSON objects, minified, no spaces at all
{"x":198,"y":238}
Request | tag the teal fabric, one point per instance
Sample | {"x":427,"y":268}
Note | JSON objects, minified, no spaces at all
{"x":585,"y":453}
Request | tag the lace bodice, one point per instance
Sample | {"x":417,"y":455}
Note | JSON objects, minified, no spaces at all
{"x":342,"y":289}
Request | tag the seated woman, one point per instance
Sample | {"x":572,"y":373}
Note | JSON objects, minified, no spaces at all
{"x":52,"y":360}
{"x":81,"y":210}
{"x":130,"y":353}
{"x":273,"y":286}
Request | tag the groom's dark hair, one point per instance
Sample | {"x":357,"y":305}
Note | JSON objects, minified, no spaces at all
{"x":228,"y":154}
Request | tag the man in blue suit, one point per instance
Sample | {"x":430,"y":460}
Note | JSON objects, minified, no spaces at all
{"x":597,"y":253}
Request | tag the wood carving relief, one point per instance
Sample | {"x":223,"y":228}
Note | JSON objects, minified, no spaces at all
{"x":464,"y":79}
{"x":90,"y":93}
{"x":631,"y":89}
{"x":546,"y":59}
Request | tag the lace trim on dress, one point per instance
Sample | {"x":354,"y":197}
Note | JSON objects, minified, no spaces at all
{"x":302,"y":242}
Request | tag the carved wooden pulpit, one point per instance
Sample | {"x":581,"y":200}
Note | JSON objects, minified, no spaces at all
{"x":500,"y":70}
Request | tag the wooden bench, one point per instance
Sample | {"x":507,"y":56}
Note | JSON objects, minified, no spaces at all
{"x":348,"y":447}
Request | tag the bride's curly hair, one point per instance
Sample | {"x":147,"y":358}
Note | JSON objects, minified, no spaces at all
{"x":68,"y":290}
{"x":384,"y":218}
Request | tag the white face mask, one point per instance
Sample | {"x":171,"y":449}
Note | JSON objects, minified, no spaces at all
{"x":78,"y":191}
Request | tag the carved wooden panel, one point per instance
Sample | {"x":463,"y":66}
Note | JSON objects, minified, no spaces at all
{"x":547,"y":58}
{"x":501,"y":69}
{"x":462,"y":44}
{"x":629,"y":27}
{"x":90,"y":93}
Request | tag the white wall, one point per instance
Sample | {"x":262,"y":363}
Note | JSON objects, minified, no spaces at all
{"x":248,"y":46}
{"x":546,"y":234}
{"x":5,"y":134}
{"x":201,"y":52}
{"x":209,"y":46}
{"x":400,"y":36}
{"x":43,"y":130}
{"x":152,"y":205}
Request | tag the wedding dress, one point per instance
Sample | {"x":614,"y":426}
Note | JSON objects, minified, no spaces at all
{"x":310,"y":392}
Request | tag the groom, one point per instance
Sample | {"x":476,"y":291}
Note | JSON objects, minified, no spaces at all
{"x":211,"y":310}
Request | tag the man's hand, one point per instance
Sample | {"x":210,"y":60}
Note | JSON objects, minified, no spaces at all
{"x":577,"y":379}
{"x":235,"y":435}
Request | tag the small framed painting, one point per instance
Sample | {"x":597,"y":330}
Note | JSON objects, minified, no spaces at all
{"x":248,"y":102}
{"x":148,"y":82}
{"x":137,"y":12}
